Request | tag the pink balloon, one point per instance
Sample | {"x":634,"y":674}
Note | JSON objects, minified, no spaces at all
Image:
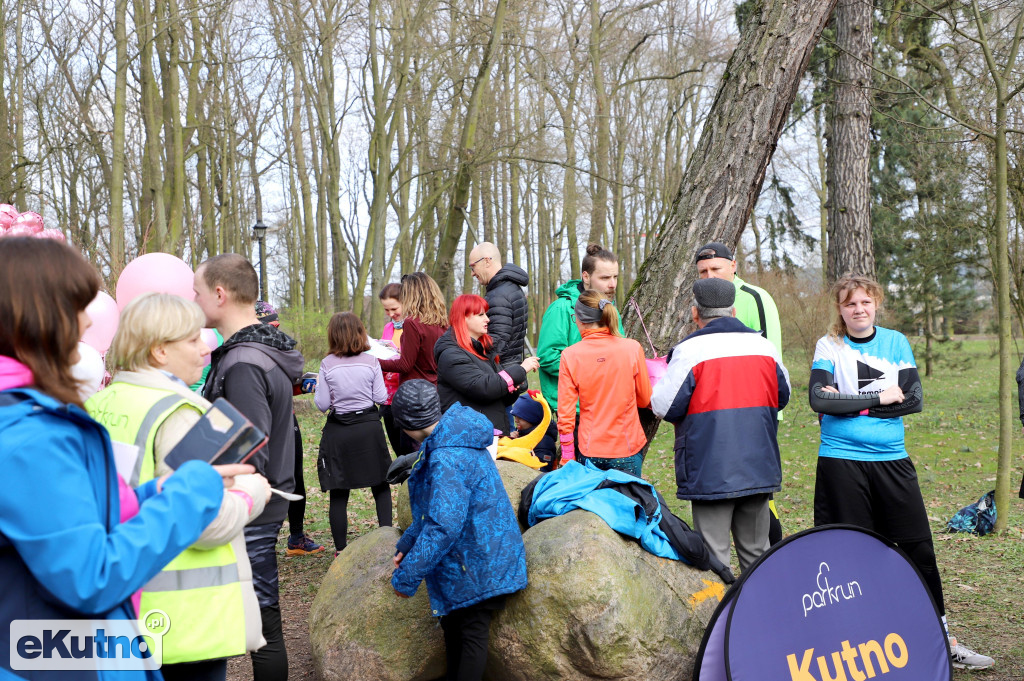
{"x":104,"y":314}
{"x":54,"y":234}
{"x":31,"y":221}
{"x":154,"y":273}
{"x":22,"y":230}
{"x":209,"y":337}
{"x":8,"y":214}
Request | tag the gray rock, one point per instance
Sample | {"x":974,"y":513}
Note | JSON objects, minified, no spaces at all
{"x":599,"y":607}
{"x":361,"y":630}
{"x":403,"y":512}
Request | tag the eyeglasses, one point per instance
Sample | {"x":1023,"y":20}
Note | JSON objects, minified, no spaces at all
{"x":472,"y":265}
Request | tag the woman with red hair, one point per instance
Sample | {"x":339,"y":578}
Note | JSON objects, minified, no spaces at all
{"x":468,"y":369}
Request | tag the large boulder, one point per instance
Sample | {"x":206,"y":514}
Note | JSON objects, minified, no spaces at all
{"x":600,"y":607}
{"x":361,"y":630}
{"x":514,"y":475}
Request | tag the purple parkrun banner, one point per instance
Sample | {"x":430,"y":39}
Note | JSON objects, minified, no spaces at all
{"x":834,"y":603}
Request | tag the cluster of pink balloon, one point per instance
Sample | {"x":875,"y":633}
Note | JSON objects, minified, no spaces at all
{"x":15,"y":223}
{"x":149,"y":273}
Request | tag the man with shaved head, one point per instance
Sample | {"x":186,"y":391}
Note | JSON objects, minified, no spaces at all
{"x":508,"y":312}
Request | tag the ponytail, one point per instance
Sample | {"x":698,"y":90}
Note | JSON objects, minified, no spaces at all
{"x":609,"y":318}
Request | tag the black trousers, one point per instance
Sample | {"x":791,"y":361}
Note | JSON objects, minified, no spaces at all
{"x":269,"y":663}
{"x":208,"y":670}
{"x":466,"y":632}
{"x":297,"y":509}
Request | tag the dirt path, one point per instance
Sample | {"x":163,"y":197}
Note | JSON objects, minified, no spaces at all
{"x":300,"y":578}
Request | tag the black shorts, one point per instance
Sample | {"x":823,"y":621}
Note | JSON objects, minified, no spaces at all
{"x":877,"y":495}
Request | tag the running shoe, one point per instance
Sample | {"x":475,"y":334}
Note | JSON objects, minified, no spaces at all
{"x":300,"y":546}
{"x":965,"y":658}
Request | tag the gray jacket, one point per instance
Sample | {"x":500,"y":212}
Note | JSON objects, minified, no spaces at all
{"x":256,"y":370}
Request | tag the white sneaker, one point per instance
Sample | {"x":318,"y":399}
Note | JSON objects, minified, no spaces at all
{"x":965,"y":658}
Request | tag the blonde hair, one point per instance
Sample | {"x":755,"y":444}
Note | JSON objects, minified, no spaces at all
{"x":609,"y":315}
{"x":421,"y":298}
{"x":148,"y":321}
{"x":842,"y":289}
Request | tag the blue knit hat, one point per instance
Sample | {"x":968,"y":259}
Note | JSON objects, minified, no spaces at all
{"x":528,"y":409}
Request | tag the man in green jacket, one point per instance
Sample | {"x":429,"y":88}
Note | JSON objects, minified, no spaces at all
{"x":558,"y":327}
{"x":756,"y":309}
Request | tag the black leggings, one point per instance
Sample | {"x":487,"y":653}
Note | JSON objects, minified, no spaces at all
{"x":339,"y":512}
{"x":297,"y":508}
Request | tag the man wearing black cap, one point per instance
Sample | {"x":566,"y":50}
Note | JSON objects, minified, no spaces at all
{"x":465,"y":540}
{"x":754,"y":307}
{"x":723,"y":390}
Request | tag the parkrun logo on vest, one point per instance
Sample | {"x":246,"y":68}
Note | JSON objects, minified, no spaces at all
{"x":827,"y":594}
{"x":89,"y":645}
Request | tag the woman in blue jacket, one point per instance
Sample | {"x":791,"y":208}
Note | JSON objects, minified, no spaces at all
{"x":63,"y":552}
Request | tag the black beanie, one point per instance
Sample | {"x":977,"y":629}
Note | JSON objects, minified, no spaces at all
{"x":416,"y":405}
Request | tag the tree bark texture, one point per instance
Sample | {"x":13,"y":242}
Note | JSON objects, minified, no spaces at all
{"x":849,"y":145}
{"x":723,"y":178}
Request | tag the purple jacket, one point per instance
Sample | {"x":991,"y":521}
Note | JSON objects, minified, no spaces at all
{"x":347,"y":384}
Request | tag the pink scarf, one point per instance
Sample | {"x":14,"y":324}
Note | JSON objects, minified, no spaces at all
{"x":13,"y":374}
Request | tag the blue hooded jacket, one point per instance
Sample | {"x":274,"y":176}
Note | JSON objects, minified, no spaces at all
{"x":464,"y":540}
{"x":63,"y":553}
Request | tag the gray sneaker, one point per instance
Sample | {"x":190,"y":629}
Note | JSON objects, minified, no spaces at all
{"x":965,"y":658}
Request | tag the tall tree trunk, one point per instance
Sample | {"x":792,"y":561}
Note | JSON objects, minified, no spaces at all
{"x":7,"y":181}
{"x":169,"y":21}
{"x":18,"y":113}
{"x":603,"y":134}
{"x":117,"y":160}
{"x":819,"y":130}
{"x":152,"y":212}
{"x":569,"y":214}
{"x":723,"y":177}
{"x":452,"y":232}
{"x":849,"y":145}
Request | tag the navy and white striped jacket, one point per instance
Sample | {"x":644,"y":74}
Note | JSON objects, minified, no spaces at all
{"x":723,"y":391}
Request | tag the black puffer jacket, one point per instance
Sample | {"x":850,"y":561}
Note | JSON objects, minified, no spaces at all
{"x":464,"y":377}
{"x":508,"y":313}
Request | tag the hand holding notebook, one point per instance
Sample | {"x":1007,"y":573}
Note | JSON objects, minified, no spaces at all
{"x":222,"y":436}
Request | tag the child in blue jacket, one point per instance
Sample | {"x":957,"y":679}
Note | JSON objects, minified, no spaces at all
{"x":464,"y":539}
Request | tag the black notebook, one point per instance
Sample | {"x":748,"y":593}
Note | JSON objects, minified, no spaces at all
{"x":223,"y":435}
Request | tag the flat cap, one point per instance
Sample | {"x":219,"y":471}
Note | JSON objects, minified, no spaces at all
{"x":416,"y":405}
{"x":714,"y":293}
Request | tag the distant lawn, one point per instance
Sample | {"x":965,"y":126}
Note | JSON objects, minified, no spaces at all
{"x":953,"y":444}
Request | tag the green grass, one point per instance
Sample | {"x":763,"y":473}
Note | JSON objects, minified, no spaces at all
{"x":953,"y":444}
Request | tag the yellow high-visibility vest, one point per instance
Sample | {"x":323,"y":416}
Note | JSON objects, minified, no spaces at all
{"x":200,"y":590}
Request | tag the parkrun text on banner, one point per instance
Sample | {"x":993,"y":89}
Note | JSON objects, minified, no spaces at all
{"x":80,"y":645}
